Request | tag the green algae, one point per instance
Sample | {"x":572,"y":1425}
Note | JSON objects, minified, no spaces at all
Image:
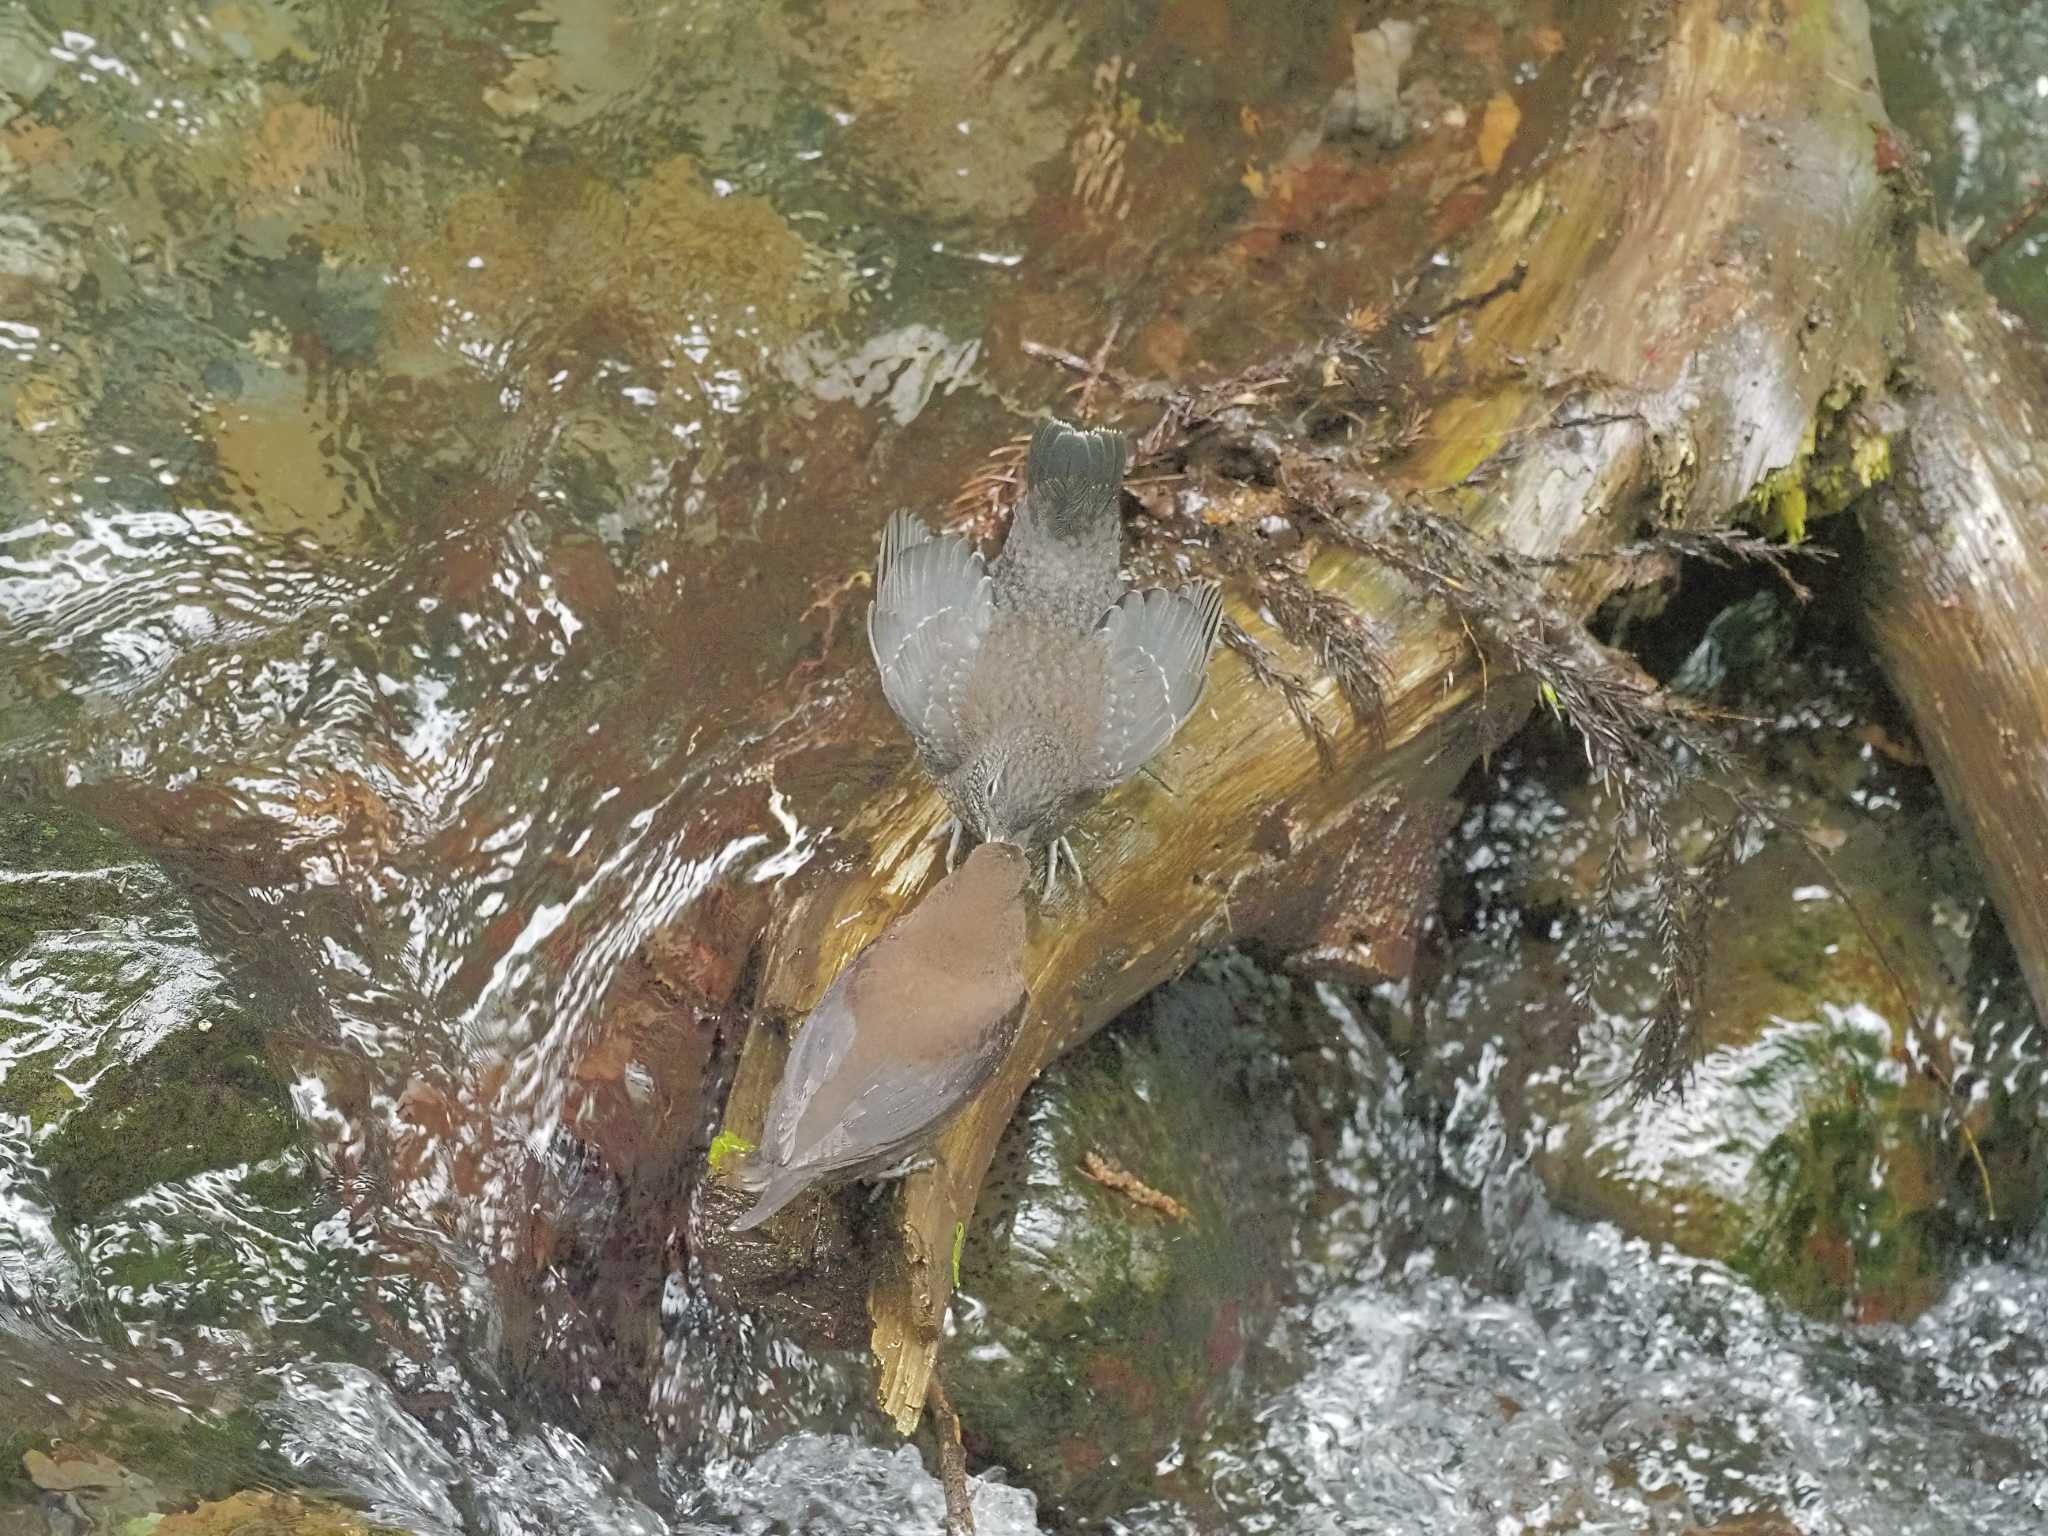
{"x":725,"y":1147}
{"x":59,"y":869}
{"x":1850,"y":1198}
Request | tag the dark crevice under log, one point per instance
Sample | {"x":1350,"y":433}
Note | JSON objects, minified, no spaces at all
{"x":1667,"y":299}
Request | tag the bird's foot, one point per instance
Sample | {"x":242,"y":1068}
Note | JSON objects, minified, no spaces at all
{"x":902,"y":1168}
{"x":951,"y":831}
{"x":1052,"y":865}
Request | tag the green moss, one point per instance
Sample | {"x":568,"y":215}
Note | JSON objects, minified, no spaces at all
{"x":34,"y":1089}
{"x":204,"y":1098}
{"x":1795,"y":950}
{"x":1788,"y":509}
{"x":1871,"y":459}
{"x":1849,"y":1209}
{"x":14,"y":1478}
{"x":289,"y":1184}
{"x":97,"y":982}
{"x":726,"y":1146}
{"x":62,"y":872}
{"x":170,"y":1262}
{"x":56,"y":841}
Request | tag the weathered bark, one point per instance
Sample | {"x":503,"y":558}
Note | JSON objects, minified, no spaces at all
{"x":1958,"y":581}
{"x":1669,"y":300}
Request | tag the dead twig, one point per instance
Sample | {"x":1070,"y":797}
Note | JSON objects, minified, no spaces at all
{"x":985,"y":493}
{"x":952,"y":1459}
{"x":1341,"y":637}
{"x":1085,"y":397}
{"x":1134,"y":1189}
{"x":830,"y":595}
{"x":1722,"y":547}
{"x":1645,"y":747}
{"x":2011,"y":228}
{"x":1129,"y":385}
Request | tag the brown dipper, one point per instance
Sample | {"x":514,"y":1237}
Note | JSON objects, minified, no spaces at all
{"x":902,"y":1037}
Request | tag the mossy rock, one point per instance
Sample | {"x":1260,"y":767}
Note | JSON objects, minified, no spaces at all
{"x":80,"y":1479}
{"x":1815,"y":1150}
{"x":1096,"y":1332}
{"x":59,"y":869}
{"x":194,"y":1458}
{"x":164,"y":1454}
{"x":116,"y":991}
{"x":140,"y":1469}
{"x":1818,"y":1148}
{"x":259,"y":1513}
{"x":204,"y":1098}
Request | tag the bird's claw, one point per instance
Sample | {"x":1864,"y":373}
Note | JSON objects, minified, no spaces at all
{"x":902,"y":1168}
{"x":950,"y":830}
{"x":1052,"y":865}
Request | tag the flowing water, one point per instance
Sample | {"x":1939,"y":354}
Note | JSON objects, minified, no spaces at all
{"x":430,"y":431}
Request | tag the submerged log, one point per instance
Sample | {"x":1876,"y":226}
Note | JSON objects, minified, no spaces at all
{"x":1660,"y":327}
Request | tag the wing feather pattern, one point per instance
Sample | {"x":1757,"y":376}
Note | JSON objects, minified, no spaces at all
{"x":1159,"y":643}
{"x":933,"y":602}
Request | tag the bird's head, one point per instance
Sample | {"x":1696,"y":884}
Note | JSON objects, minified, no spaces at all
{"x":1026,"y":789}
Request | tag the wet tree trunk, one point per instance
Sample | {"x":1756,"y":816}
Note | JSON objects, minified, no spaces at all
{"x":1688,"y":308}
{"x":1958,"y":579}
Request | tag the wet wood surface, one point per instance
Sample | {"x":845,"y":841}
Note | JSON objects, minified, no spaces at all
{"x":1957,"y":580}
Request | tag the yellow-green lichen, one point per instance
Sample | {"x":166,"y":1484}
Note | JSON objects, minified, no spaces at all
{"x":1787,"y":507}
{"x":726,"y":1146}
{"x":1838,"y":459}
{"x":1871,"y":459}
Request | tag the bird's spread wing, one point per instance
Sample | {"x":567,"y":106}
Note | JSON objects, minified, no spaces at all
{"x":933,"y":601}
{"x":1158,"y":643}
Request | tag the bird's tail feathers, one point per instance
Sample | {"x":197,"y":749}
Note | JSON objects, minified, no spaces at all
{"x":1078,"y":459}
